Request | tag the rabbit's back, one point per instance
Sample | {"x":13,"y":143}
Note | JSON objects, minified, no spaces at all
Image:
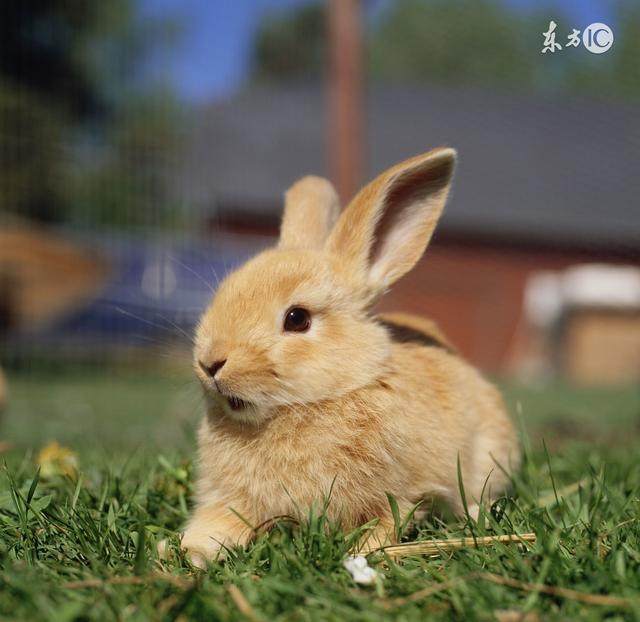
{"x":451,"y":412}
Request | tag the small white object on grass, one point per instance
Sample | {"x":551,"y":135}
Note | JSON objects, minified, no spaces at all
{"x":360,"y":570}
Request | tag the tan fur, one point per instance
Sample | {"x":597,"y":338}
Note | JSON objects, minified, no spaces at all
{"x":340,"y":408}
{"x":311,"y":208}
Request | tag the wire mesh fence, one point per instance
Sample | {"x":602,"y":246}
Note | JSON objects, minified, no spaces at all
{"x":123,"y":203}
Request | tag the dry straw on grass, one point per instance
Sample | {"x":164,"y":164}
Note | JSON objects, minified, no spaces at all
{"x":161,"y":577}
{"x":590,"y":599}
{"x":604,"y":600}
{"x":436,"y":547}
{"x":241,"y":602}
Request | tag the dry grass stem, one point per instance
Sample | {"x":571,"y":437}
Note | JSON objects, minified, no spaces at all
{"x":423,"y":593}
{"x":180,"y":582}
{"x":513,"y":615}
{"x":435,"y":547}
{"x":563,"y":592}
{"x":242,"y":603}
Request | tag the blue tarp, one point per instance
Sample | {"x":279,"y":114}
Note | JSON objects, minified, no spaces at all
{"x":155,"y":292}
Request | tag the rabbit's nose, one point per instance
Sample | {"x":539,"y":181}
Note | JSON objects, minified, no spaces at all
{"x":212,"y":369}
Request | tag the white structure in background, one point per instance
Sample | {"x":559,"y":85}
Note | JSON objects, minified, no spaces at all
{"x":589,"y":316}
{"x":159,"y":279}
{"x":548,"y":294}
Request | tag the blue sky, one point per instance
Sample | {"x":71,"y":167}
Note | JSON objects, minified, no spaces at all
{"x":212,"y":57}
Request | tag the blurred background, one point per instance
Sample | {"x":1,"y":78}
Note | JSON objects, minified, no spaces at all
{"x":145,"y":146}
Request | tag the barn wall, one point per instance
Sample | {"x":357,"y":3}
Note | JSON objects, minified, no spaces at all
{"x":474,"y":290}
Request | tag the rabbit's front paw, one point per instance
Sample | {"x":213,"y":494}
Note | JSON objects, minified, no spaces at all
{"x":198,"y":552}
{"x":201,"y":549}
{"x":211,"y":531}
{"x":377,"y":537}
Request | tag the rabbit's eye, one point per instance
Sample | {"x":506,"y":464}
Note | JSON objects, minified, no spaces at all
{"x":297,"y":320}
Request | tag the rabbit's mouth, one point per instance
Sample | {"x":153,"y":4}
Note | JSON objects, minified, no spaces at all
{"x":235,"y":403}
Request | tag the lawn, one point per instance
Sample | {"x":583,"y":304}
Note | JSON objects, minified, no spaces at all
{"x":76,"y":547}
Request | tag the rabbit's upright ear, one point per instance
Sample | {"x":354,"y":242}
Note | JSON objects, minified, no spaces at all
{"x":385,"y":229}
{"x":311,"y":208}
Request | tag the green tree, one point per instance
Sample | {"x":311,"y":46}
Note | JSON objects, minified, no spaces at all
{"x":449,"y":41}
{"x":291,"y":45}
{"x":126,"y":183}
{"x":615,"y":74}
{"x":30,"y":150}
{"x":483,"y":42}
{"x":45,"y":83}
{"x":69,"y":90}
{"x":459,"y":42}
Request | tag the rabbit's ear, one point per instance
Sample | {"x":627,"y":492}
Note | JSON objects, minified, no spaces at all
{"x":383,"y":232}
{"x":311,"y":208}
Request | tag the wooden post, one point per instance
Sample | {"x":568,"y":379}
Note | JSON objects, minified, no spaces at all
{"x":345,"y":131}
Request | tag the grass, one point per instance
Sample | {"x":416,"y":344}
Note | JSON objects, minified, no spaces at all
{"x":80,"y":548}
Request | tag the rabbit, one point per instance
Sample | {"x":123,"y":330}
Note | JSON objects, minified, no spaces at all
{"x":309,"y":394}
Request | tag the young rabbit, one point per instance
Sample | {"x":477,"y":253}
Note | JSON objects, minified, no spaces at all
{"x":307,"y":392}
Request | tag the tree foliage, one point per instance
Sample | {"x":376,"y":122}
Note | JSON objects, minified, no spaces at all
{"x":452,"y":42}
{"x":485,"y":43}
{"x":74,"y":122}
{"x":30,"y":149}
{"x":291,"y":45}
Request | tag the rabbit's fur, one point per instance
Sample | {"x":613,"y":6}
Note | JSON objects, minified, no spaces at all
{"x":342,"y":407}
